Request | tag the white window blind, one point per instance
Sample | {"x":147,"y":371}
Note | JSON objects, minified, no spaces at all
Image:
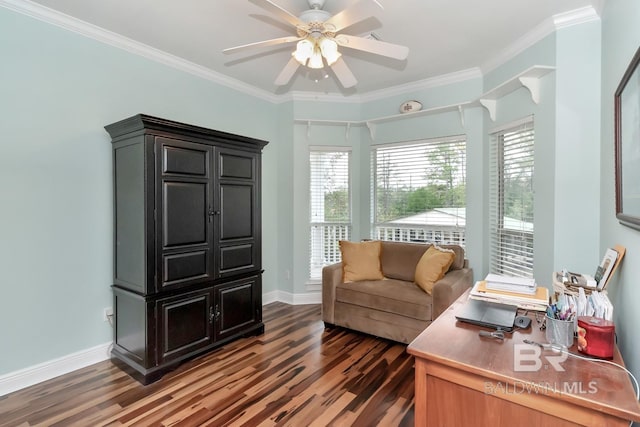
{"x":512,"y":200}
{"x":419,"y":190}
{"x":330,"y":206}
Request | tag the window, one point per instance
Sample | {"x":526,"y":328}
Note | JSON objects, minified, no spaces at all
{"x":330,"y":206}
{"x":511,"y":199}
{"x":419,"y":191}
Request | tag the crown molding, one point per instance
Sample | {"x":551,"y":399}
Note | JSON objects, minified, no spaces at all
{"x":545,"y":28}
{"x":442,"y":80}
{"x":323,"y":97}
{"x":575,"y":17}
{"x":86,"y":29}
{"x":538,"y":33}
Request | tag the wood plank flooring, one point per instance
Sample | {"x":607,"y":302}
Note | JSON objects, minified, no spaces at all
{"x":296,"y":374}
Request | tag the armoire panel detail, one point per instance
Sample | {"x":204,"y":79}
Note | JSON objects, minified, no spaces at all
{"x":184,"y":213}
{"x":177,"y":160}
{"x":130,"y":329}
{"x":182,"y":266}
{"x":187,"y":242}
{"x":129,"y":215}
{"x":234,"y":166}
{"x":185,"y":324}
{"x":233,"y":296}
{"x":237,"y":211}
{"x":234,"y":257}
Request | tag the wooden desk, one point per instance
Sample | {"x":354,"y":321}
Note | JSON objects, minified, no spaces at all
{"x":463,"y":379}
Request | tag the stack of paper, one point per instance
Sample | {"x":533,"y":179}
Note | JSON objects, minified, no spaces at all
{"x":519,"y":285}
{"x":596,"y":304}
{"x":538,"y":301}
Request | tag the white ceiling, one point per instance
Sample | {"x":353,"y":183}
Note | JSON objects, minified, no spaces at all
{"x":443,"y":36}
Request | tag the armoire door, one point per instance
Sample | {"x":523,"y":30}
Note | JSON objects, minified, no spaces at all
{"x":185,"y":324}
{"x":185,"y":214}
{"x":237,"y":306}
{"x":237,"y":200}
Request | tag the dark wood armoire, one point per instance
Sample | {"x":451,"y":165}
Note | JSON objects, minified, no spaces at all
{"x":187,"y":242}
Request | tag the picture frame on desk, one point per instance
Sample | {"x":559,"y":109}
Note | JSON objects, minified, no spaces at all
{"x":627,"y":145}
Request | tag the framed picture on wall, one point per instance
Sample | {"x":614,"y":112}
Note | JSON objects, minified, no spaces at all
{"x":627,"y":145}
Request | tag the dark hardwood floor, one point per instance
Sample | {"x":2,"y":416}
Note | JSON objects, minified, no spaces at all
{"x":296,"y":374}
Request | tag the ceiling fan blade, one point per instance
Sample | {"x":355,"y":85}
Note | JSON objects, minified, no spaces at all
{"x":278,"y":11}
{"x":272,"y":42}
{"x":344,"y":74}
{"x":373,"y":46}
{"x":357,"y":12}
{"x":287,"y":72}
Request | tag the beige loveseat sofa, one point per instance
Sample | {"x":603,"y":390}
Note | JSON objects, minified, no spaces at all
{"x":394,"y":307}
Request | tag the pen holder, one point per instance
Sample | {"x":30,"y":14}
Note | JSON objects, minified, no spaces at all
{"x":560,"y":332}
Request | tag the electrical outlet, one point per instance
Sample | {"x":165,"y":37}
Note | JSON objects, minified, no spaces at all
{"x":108,"y":312}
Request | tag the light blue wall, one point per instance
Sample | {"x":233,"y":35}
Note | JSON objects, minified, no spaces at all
{"x":620,"y":40}
{"x":57,"y":91}
{"x":281,"y":245}
{"x":577,"y":171}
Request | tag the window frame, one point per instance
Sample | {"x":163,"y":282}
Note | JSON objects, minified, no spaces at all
{"x":442,"y":234}
{"x":341,"y":230}
{"x":521,"y":231}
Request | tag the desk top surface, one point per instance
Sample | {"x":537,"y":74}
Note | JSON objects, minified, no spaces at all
{"x":520,"y":367}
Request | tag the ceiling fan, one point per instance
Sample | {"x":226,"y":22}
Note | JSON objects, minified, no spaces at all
{"x":318,"y":38}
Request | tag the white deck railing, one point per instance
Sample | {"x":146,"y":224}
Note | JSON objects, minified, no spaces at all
{"x":421,"y":233}
{"x":325,"y":248}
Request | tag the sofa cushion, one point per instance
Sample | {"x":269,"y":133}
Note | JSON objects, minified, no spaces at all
{"x":361,"y":260}
{"x":400,"y":259}
{"x":432,"y":267}
{"x":388,"y":295}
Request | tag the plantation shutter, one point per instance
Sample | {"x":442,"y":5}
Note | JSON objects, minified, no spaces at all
{"x":512,"y":199}
{"x":330,"y":206}
{"x":419,"y":190}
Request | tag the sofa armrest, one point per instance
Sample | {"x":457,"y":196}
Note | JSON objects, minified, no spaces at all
{"x":331,"y":278}
{"x":449,"y":288}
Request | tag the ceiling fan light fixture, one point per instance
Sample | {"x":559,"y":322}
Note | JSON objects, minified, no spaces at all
{"x":318,"y":39}
{"x":315,"y":61}
{"x":304,"y":51}
{"x":329,"y":49}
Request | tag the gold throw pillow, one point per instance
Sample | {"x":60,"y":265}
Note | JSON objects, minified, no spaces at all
{"x":433,"y":265}
{"x":361,"y":261}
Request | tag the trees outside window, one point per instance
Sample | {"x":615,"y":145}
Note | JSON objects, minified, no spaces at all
{"x":419,"y":190}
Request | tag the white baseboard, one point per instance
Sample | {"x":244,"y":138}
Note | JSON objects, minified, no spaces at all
{"x":292,"y":299}
{"x":270,"y":297}
{"x":26,"y":377}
